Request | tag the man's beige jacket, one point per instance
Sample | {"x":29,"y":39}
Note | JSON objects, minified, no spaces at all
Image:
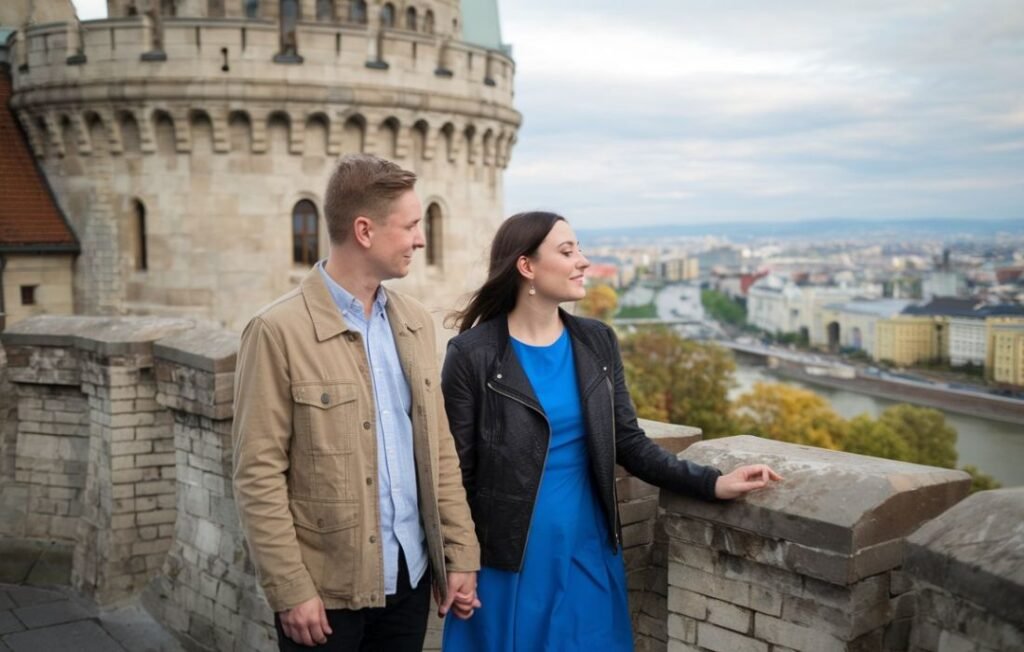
{"x":305,"y":452}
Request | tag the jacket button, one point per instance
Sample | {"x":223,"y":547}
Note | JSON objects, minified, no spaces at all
{"x":373,"y":539}
{"x":369,"y":481}
{"x":427,"y":381}
{"x":319,"y":522}
{"x":498,"y":376}
{"x":351,"y":337}
{"x":325,"y":398}
{"x":366,"y":425}
{"x":373,"y":596}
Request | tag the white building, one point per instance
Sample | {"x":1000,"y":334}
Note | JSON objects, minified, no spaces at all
{"x":851,"y":325}
{"x":777,"y":305}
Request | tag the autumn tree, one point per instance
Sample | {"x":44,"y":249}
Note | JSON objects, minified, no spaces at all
{"x":601,"y":302}
{"x":866,"y":436}
{"x":929,"y":439}
{"x":790,"y":414}
{"x":676,"y":380}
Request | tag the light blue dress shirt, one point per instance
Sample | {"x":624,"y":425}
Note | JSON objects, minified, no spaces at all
{"x":396,"y":467}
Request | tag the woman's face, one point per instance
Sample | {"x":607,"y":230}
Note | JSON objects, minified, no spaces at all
{"x":559,"y":264}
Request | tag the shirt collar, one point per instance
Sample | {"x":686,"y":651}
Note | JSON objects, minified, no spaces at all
{"x":346,"y":301}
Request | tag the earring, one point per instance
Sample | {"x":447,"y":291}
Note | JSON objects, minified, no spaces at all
{"x":533,"y":290}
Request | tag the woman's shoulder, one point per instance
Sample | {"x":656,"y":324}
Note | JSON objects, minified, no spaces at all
{"x":477,"y":336}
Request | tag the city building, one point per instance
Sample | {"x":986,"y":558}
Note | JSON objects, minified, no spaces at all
{"x":907,"y":340}
{"x":776,"y":305}
{"x":678,"y":269}
{"x":189,"y":143}
{"x":37,"y":247}
{"x":851,"y":325}
{"x":1005,"y":360}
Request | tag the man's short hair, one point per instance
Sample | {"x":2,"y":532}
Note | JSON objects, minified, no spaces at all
{"x":362,"y":185}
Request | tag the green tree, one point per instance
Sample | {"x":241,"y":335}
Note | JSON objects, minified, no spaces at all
{"x":866,"y":436}
{"x":790,"y":414}
{"x":929,"y":439}
{"x":601,"y":303}
{"x":722,"y":308}
{"x":676,"y":380}
{"x":980,"y":481}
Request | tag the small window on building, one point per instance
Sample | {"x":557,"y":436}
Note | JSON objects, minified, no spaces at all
{"x":168,"y":8}
{"x":305,"y":233}
{"x":324,"y":11}
{"x":215,"y":8}
{"x":289,"y":21}
{"x":428,"y":22}
{"x":141,"y":258}
{"x":387,"y":15}
{"x":433,"y":233}
{"x":252,"y":8}
{"x":28,"y":295}
{"x":410,"y":19}
{"x":357,"y":12}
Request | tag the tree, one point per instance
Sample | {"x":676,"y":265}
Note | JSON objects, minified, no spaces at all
{"x":866,"y":436}
{"x":980,"y":481}
{"x":601,"y":303}
{"x":676,"y":380}
{"x":787,"y":413}
{"x":928,"y":438}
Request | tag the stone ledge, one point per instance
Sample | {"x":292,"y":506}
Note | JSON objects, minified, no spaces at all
{"x":207,"y":349}
{"x":101,"y":335}
{"x":843,"y":515}
{"x":976,"y":550}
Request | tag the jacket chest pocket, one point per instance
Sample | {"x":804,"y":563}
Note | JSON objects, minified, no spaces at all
{"x":326,"y":416}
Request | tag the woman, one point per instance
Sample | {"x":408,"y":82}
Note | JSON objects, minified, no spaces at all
{"x":538,"y":405}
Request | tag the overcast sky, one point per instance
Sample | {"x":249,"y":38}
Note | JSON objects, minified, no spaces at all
{"x":687,"y":111}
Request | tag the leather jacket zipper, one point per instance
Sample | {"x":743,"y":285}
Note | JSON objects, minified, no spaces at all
{"x":533,"y":505}
{"x":615,"y":488}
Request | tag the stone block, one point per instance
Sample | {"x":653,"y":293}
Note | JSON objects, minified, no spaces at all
{"x":716,"y":639}
{"x":729,"y":616}
{"x":687,"y":603}
{"x":682,"y":628}
{"x":780,"y":632}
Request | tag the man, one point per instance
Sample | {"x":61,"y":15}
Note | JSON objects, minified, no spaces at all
{"x":346,"y":476}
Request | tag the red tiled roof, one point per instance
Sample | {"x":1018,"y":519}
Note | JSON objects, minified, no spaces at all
{"x":29,"y":216}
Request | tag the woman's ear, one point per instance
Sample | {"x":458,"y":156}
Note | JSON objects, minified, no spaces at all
{"x":525,"y":267}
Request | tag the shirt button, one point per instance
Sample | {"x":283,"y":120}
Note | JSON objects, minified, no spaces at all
{"x":369,"y":481}
{"x":366,"y":425}
{"x":325,"y":398}
{"x":373,"y":539}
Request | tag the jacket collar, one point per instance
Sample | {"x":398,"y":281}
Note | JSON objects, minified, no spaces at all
{"x":327,"y":319}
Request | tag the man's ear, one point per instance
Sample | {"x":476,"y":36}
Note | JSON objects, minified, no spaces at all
{"x":525,"y":267}
{"x":362,"y":231}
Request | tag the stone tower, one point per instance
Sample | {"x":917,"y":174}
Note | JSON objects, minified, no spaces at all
{"x":189,"y":142}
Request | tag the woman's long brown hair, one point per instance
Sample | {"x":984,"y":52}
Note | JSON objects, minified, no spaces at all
{"x":519,"y":235}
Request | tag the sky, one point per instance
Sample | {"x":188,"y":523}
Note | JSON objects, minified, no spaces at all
{"x":694,"y":111}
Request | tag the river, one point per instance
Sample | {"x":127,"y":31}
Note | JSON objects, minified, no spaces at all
{"x":994,"y":447}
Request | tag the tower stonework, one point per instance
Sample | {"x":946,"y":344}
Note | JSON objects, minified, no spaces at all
{"x":185,"y":140}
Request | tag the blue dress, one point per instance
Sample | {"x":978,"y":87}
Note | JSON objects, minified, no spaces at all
{"x":571,"y":592}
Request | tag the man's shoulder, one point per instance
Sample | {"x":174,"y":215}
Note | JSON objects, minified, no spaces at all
{"x":283,"y":310}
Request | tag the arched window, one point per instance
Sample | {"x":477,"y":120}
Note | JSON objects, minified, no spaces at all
{"x":357,"y":12}
{"x":410,"y":19}
{"x":289,"y":21}
{"x":215,"y":8}
{"x":387,"y":15}
{"x":141,"y":259}
{"x":252,"y":8}
{"x":433,"y":233}
{"x":324,"y":11}
{"x":168,"y":8}
{"x":428,"y":22}
{"x":305,"y":233}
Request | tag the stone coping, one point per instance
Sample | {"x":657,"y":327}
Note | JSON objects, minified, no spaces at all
{"x":208,"y":349}
{"x":829,"y":501}
{"x":102,"y":335}
{"x":976,"y":550}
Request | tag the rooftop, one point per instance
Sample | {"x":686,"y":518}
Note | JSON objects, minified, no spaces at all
{"x":877,"y":307}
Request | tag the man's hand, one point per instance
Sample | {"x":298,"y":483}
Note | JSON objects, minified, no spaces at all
{"x":306,"y":623}
{"x":462,"y":598}
{"x":743,"y":479}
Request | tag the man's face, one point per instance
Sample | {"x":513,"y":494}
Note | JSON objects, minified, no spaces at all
{"x":397,"y":236}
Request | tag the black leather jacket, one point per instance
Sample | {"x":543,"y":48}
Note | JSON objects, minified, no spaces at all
{"x":502,"y":434}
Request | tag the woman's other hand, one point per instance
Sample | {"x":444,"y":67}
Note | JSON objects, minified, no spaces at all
{"x":744,"y":479}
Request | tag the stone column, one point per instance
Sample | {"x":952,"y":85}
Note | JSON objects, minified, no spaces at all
{"x":811,"y":563}
{"x":207,"y":592}
{"x":967,"y":572}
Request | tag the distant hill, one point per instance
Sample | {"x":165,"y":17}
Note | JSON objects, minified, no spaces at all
{"x":826,"y":229}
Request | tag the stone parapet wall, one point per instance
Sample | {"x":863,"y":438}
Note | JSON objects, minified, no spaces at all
{"x":812,"y":563}
{"x":967,"y":571}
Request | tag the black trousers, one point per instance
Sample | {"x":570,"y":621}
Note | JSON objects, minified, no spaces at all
{"x":399,"y":626}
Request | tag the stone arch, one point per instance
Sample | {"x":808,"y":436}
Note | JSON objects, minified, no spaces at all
{"x":131,"y":138}
{"x":68,"y":135}
{"x":428,"y":21}
{"x":448,"y":138}
{"x":201,"y":129}
{"x":99,"y":141}
{"x":433,"y":234}
{"x":411,"y":19}
{"x":387,"y":15}
{"x":488,"y":147}
{"x":42,"y":137}
{"x":419,"y":132}
{"x":138,"y":245}
{"x":279,"y":126}
{"x":469,"y":141}
{"x":387,"y":134}
{"x":240,"y":131}
{"x":164,"y":132}
{"x":353,"y":134}
{"x":833,"y":336}
{"x":317,"y":128}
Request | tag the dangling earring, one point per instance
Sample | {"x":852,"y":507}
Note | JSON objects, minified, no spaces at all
{"x":533,"y":290}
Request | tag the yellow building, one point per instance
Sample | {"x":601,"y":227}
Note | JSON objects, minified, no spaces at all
{"x":1005,"y":354}
{"x":912,"y":339}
